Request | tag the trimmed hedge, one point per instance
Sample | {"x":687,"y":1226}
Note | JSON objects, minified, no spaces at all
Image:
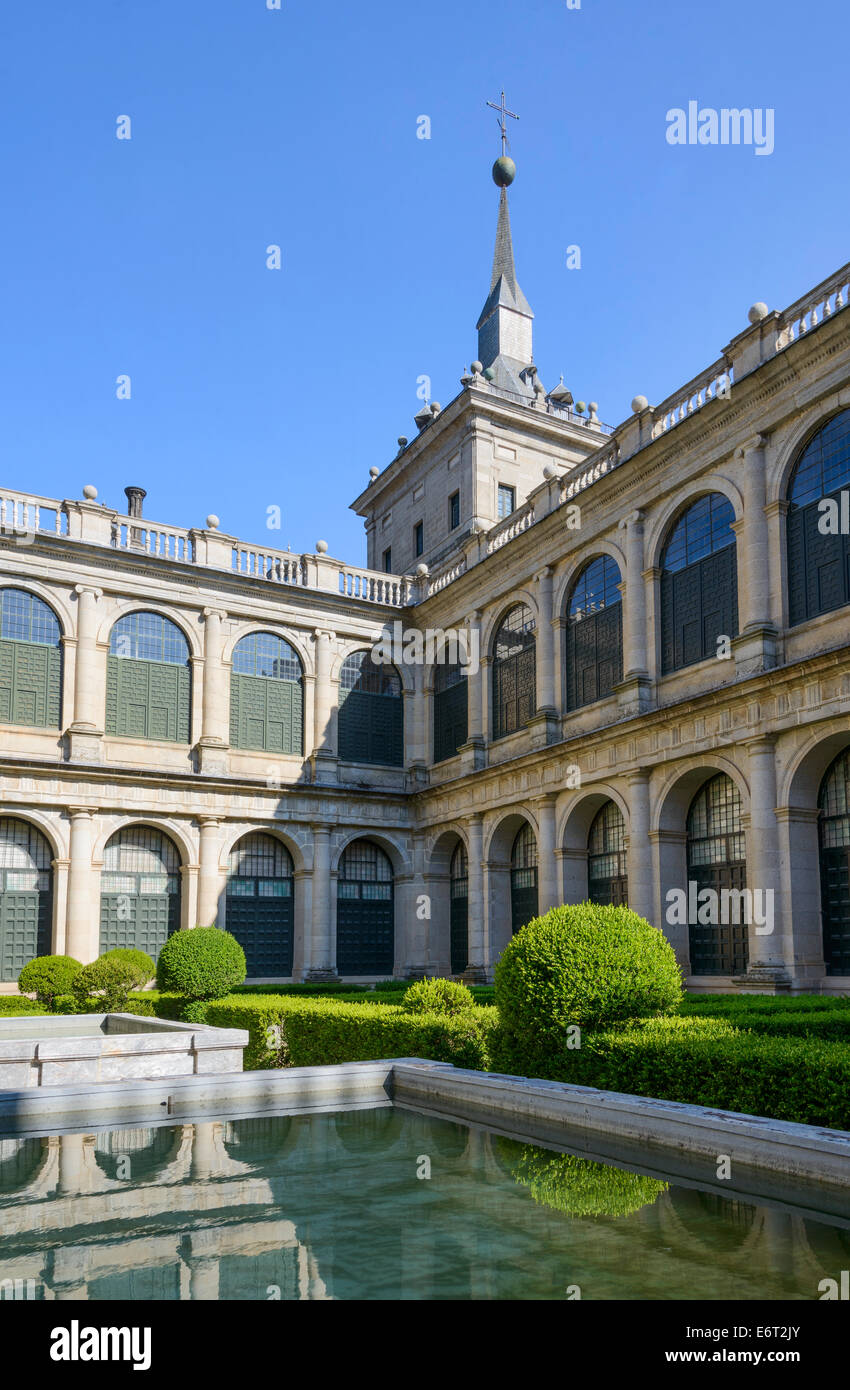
{"x":204,"y":963}
{"x":12,"y":1004}
{"x":578,"y":1186}
{"x":47,"y":976}
{"x":447,"y":997}
{"x":316,"y":1032}
{"x":705,"y":1061}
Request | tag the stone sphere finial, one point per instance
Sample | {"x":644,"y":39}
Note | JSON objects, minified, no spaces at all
{"x":213,"y":522}
{"x":549,"y":470}
{"x":403,"y":441}
{"x":435,"y":408}
{"x":639,"y":403}
{"x":90,"y":492}
{"x":321,"y":547}
{"x":421,"y":571}
{"x":477,"y":367}
{"x":373,"y":473}
{"x":758,"y":312}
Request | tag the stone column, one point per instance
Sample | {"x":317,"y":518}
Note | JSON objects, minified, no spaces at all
{"x":82,"y":936}
{"x":771,"y":956}
{"x":215,"y":717}
{"x":86,"y":731}
{"x":639,"y":857}
{"x":325,"y":726}
{"x":414,"y":728}
{"x":547,"y":864}
{"x":755,"y":647}
{"x":545,"y":720}
{"x":478,"y":946}
{"x":320,"y":953}
{"x":476,"y":696}
{"x":635,"y":688}
{"x":209,"y":876}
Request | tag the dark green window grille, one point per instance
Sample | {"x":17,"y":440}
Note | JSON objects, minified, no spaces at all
{"x":139,"y":890}
{"x":819,"y":557}
{"x":148,"y":683}
{"x":266,"y":695}
{"x":514,"y":671}
{"x":834,"y":805}
{"x":459,"y":909}
{"x":523,"y":878}
{"x":717,"y":860}
{"x":607,"y":880}
{"x":450,"y":709}
{"x":371,"y":719}
{"x":365,"y":935}
{"x":26,"y":896}
{"x":30,"y":661}
{"x":699,"y":583}
{"x":594,"y":643}
{"x":260,"y":903}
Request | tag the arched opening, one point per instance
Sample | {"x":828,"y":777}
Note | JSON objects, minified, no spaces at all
{"x":594,"y":636}
{"x":148,"y":683}
{"x":26,"y":896}
{"x":261,"y":903}
{"x":371,"y":718}
{"x":450,"y":709}
{"x":834,"y":830}
{"x":365,"y":935}
{"x":266,"y":695}
{"x":514,"y":671}
{"x":459,"y":904}
{"x":818,"y":537}
{"x":139,"y":890}
{"x":607,"y":875}
{"x":699,"y":583}
{"x":523,"y":878}
{"x":717,"y":862}
{"x":30,"y":661}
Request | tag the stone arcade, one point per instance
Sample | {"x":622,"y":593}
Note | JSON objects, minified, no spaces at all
{"x":193,"y":729}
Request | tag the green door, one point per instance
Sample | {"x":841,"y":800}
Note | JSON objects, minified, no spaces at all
{"x":260,"y":903}
{"x":459,"y":910}
{"x":365,"y":915}
{"x":26,"y":896}
{"x":140,"y":891}
{"x":523,"y":879}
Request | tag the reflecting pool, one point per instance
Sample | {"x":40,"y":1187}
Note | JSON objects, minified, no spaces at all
{"x":380,"y":1204}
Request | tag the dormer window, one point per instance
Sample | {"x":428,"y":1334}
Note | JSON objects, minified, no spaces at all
{"x":506,"y":500}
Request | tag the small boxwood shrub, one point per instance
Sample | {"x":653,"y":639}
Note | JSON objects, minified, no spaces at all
{"x":106,"y":983}
{"x":578,"y":1186}
{"x":47,"y":976}
{"x":13,"y":1004}
{"x":587,"y":965}
{"x":437,"y":997}
{"x":204,"y":963}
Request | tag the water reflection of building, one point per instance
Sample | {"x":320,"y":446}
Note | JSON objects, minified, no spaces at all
{"x":330,"y":1207}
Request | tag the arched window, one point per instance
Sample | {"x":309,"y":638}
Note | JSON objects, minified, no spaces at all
{"x":834,"y":805}
{"x":607,"y":880}
{"x":514,"y":673}
{"x":459,"y":891}
{"x":148,"y":685}
{"x":365,"y":943}
{"x":266,"y":701}
{"x":594,"y":633}
{"x":26,"y":896}
{"x":30,"y":661}
{"x":817,"y":530}
{"x":450,"y":709}
{"x":717,"y":862}
{"x":699,"y":583}
{"x":523,"y":878}
{"x":139,"y":890}
{"x":260,"y":903}
{"x":371,"y":719}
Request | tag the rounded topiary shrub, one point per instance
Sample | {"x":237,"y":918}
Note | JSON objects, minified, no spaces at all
{"x":437,"y":997}
{"x":588,"y":965}
{"x":47,"y":976}
{"x":204,"y":963}
{"x":107,"y":981}
{"x":578,"y":1186}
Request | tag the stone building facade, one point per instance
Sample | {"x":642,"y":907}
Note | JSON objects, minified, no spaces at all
{"x":648,"y":703}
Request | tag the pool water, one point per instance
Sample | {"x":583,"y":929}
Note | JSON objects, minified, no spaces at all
{"x":380,"y":1204}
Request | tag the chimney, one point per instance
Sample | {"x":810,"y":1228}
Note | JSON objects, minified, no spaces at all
{"x":135,"y":497}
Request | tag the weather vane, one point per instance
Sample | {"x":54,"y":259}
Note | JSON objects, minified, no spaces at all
{"x":503,"y":112}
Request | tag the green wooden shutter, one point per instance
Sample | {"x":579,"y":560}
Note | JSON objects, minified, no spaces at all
{"x":30,"y":684}
{"x":148,"y":699}
{"x":266,"y":714}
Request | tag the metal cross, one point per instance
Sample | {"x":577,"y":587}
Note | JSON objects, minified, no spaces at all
{"x":503,"y":112}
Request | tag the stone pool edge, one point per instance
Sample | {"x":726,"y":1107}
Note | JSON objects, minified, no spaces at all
{"x":802,"y":1152}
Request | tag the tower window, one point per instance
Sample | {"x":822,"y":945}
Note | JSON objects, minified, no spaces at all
{"x":454,"y":511}
{"x":388,"y":561}
{"x":507,"y":500}
{"x":418,"y":538}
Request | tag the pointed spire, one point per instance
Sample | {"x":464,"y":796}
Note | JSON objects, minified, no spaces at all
{"x":504,"y":328}
{"x":503,"y":256}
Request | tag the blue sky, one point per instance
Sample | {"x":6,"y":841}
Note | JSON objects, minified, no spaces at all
{"x":254,"y":388}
